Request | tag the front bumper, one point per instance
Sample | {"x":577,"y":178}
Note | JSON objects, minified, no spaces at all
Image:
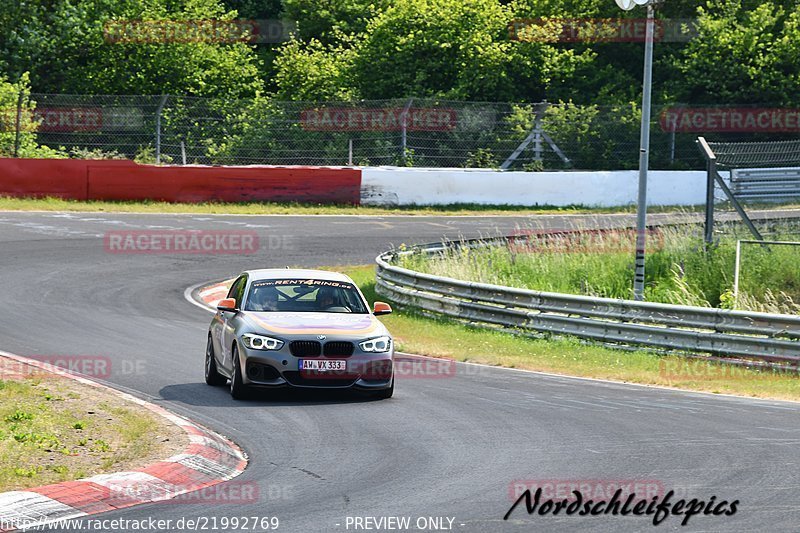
{"x":280,"y":369}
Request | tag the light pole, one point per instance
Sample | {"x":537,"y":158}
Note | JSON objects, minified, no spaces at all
{"x":644,"y":145}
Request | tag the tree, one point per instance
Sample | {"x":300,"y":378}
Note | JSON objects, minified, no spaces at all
{"x":743,"y":54}
{"x":443,"y":48}
{"x":69,"y":46}
{"x":328,"y":21}
{"x":313,"y":72}
{"x":255,"y":9}
{"x":456,"y":49}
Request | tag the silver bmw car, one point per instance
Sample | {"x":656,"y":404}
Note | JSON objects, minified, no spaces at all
{"x":299,"y":328}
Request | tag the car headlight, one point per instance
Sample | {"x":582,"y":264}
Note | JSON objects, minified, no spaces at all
{"x":378,"y":344}
{"x":260,"y":342}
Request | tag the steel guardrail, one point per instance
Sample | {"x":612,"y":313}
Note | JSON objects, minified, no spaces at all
{"x":765,"y":336}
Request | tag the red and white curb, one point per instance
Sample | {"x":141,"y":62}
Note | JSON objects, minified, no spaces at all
{"x":209,"y":459}
{"x":212,"y":294}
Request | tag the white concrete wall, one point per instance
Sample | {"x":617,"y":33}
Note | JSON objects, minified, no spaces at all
{"x":421,"y":186}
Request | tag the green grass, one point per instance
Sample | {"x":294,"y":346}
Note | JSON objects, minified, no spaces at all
{"x":679,"y":268}
{"x":271,"y":208}
{"x":53,"y":430}
{"x":418,"y":334}
{"x":293,"y":208}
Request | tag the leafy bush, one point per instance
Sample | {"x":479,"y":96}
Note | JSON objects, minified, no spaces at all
{"x":94,"y":153}
{"x":481,"y":158}
{"x":146,"y":155}
{"x":10,"y":94}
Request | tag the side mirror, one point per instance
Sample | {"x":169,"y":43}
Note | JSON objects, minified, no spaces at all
{"x":382,"y":308}
{"x":228,"y":304}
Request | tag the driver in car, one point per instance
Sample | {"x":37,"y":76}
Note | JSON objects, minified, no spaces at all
{"x":266,"y":299}
{"x":326,"y":298}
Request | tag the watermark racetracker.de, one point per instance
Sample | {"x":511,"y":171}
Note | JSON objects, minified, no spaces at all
{"x":211,"y":522}
{"x":572,"y":241}
{"x":242,"y":242}
{"x":198,"y":31}
{"x":233,"y":492}
{"x":600,"y":30}
{"x":379,"y":119}
{"x":684,"y":119}
{"x":403,"y":367}
{"x":705,"y":370}
{"x":91,"y":366}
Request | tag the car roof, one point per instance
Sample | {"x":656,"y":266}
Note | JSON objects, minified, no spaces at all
{"x":296,"y":273}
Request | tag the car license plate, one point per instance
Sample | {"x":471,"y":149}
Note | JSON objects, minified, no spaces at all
{"x":323,"y":365}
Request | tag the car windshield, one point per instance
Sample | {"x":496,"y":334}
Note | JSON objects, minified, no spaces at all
{"x":304,"y":295}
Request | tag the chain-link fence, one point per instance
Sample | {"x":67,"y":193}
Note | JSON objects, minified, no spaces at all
{"x":407,"y":132}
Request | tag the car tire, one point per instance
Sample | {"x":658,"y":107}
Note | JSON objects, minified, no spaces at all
{"x":213,"y":377}
{"x":238,"y":389}
{"x":384,"y":394}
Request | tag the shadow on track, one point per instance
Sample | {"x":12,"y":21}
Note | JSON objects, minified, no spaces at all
{"x":200,"y":394}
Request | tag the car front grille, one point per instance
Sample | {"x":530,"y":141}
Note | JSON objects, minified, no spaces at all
{"x":315,"y":349}
{"x":305,"y":348}
{"x":336,"y":348}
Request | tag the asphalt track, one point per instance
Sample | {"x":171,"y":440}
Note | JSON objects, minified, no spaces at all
{"x":440,"y":448}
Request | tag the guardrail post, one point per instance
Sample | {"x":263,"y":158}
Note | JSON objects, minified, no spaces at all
{"x":537,"y":138}
{"x":711,"y":170}
{"x":672,"y":147}
{"x":404,"y":130}
{"x":713,"y":178}
{"x":350,"y":152}
{"x":736,"y":273}
{"x":158,"y":127}
{"x":18,"y":122}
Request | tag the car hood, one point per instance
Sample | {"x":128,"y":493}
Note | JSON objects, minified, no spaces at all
{"x":316,"y":323}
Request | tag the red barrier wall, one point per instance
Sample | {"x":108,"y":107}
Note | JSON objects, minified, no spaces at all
{"x":126,"y":180}
{"x":62,"y":178}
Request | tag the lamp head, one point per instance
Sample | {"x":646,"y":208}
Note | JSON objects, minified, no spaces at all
{"x":627,"y":5}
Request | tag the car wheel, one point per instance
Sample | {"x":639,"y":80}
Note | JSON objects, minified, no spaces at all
{"x":238,"y":389}
{"x":384,"y":394}
{"x":213,"y":377}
